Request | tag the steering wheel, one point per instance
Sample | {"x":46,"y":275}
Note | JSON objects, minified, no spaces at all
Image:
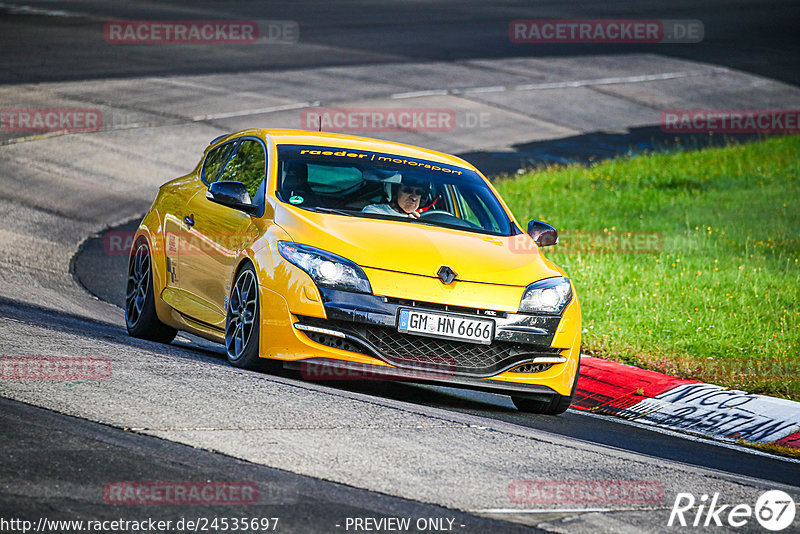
{"x":445,"y":217}
{"x":430,"y":213}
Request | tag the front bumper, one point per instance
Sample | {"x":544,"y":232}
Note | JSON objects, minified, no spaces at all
{"x":367,"y":324}
{"x":340,"y":370}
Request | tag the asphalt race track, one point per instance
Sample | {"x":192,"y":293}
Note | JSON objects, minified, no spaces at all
{"x":321,"y":453}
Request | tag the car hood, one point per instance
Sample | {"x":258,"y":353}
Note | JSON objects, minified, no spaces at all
{"x":418,"y":248}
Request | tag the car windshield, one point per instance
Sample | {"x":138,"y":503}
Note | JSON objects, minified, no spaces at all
{"x":362,"y":183}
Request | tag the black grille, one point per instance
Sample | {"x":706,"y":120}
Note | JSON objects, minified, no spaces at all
{"x":423,"y":351}
{"x":532,"y":368}
{"x":333,"y":341}
{"x":405,"y":350}
{"x":443,"y":307}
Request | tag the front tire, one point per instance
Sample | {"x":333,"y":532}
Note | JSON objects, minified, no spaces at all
{"x":557,"y":405}
{"x":140,"y":309}
{"x":242,"y":325}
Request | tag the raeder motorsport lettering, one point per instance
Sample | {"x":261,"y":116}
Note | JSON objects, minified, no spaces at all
{"x":360,"y":155}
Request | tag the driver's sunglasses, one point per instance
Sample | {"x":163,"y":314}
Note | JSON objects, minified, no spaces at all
{"x":412,"y":190}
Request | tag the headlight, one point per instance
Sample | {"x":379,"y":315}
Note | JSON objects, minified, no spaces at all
{"x":325,"y":268}
{"x":548,"y":296}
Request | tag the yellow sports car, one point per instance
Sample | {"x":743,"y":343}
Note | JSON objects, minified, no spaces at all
{"x":350,"y":257}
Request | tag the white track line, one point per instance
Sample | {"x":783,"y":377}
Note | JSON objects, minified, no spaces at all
{"x":562,"y":85}
{"x":542,"y":511}
{"x":478,"y":90}
{"x":242,"y":113}
{"x":412,"y":94}
{"x":415,"y":94}
{"x":15,"y":9}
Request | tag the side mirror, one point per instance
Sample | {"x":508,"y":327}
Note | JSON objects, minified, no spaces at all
{"x":231,"y":194}
{"x":542,"y":233}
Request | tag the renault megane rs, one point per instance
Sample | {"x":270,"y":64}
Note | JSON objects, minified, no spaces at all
{"x":347,"y":253}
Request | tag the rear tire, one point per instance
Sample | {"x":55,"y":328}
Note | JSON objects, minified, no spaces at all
{"x":140,"y":309}
{"x":558,"y":404}
{"x":243,"y":322}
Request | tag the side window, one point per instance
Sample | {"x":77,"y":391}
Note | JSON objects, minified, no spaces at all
{"x":215,"y":160}
{"x":248,"y":166}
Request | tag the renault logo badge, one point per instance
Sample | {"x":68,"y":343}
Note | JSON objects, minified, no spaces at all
{"x":446,"y":274}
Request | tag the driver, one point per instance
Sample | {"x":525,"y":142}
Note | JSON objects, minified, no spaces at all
{"x":404,"y":201}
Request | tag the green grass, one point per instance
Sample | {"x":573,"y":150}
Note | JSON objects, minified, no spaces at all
{"x":717,"y":300}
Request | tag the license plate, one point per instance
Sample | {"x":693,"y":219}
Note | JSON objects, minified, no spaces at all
{"x":446,"y":326}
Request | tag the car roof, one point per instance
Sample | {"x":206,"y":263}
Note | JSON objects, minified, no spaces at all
{"x":308,"y":137}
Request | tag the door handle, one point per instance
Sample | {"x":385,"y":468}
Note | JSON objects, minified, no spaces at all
{"x":189,"y":220}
